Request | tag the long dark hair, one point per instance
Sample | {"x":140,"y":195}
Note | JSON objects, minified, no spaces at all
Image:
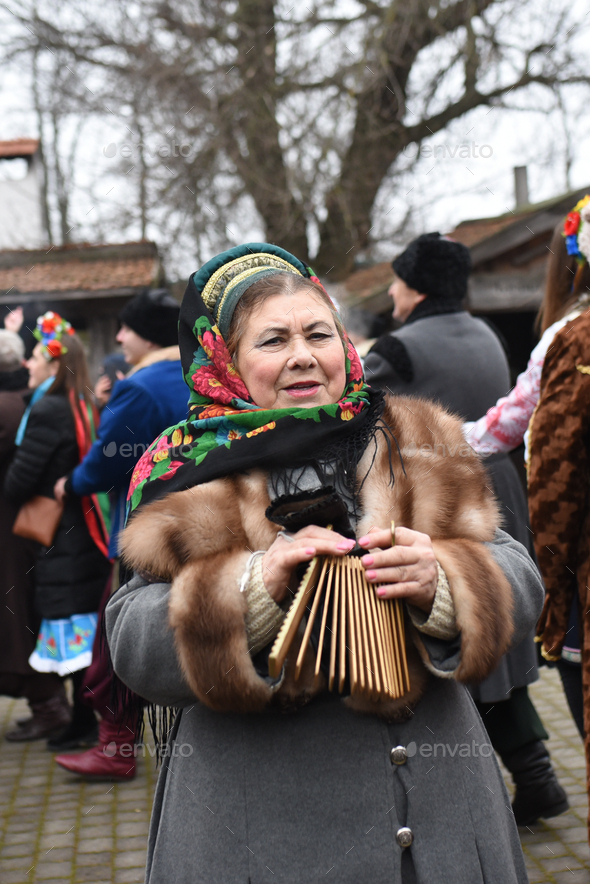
{"x":566,"y":280}
{"x":73,"y":380}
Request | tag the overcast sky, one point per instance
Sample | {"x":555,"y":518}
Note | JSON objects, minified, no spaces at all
{"x":463,"y":173}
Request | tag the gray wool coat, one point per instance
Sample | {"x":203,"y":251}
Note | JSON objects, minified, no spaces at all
{"x":457,"y":360}
{"x":314,"y":795}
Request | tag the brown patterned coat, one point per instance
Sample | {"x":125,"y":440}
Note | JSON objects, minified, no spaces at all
{"x":559,"y":473}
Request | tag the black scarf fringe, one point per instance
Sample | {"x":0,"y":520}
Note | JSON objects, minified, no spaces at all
{"x":339,"y":458}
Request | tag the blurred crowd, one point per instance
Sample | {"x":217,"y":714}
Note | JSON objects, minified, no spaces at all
{"x":69,"y":449}
{"x":73,"y":449}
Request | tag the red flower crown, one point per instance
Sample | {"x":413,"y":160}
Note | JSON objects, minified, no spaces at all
{"x":50,"y":329}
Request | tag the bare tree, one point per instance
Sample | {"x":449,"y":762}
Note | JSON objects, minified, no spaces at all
{"x":61,"y":115}
{"x":292,"y":117}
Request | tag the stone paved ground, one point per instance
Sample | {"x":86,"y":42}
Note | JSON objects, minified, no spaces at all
{"x":56,"y":830}
{"x":556,"y":851}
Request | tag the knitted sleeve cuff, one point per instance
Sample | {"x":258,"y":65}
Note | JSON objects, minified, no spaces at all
{"x":441,"y":622}
{"x":264,"y":617}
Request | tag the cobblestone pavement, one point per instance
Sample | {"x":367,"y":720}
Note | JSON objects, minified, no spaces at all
{"x":556,"y":851}
{"x":55,"y":829}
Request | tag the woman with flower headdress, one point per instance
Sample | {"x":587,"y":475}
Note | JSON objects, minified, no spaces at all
{"x":506,"y":425}
{"x":56,"y":430}
{"x":288,"y":454}
{"x":558,"y":470}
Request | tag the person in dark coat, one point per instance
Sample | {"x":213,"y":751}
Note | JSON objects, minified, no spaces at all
{"x":443,"y":353}
{"x":151,"y":397}
{"x":71,"y":573}
{"x":19,"y":622}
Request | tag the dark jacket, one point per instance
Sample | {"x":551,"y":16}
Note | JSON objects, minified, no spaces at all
{"x":457,"y":360}
{"x":18,"y":621}
{"x":454,"y":359}
{"x":69,"y":576}
{"x":142,"y":406}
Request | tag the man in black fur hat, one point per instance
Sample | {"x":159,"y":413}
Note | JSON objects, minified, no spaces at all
{"x":444,"y":353}
{"x":441,"y":351}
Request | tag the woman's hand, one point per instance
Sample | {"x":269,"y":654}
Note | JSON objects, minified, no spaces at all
{"x":102,"y":390}
{"x":408,"y":570}
{"x":14,"y":320}
{"x":281,"y":559}
{"x":59,"y":489}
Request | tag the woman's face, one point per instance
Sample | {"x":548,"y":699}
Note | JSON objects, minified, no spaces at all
{"x":39,"y":368}
{"x":291,"y":353}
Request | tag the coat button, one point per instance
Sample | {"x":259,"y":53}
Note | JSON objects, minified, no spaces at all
{"x":404,"y":836}
{"x":398,"y":755}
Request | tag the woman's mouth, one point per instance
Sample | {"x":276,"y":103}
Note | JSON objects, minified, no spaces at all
{"x":302,"y":389}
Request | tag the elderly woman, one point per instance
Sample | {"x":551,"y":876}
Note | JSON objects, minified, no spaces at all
{"x":282,"y":780}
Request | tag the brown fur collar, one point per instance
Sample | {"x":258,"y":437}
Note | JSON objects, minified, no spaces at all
{"x":200,"y":539}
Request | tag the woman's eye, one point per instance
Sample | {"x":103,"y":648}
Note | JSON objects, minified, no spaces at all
{"x":271,"y":341}
{"x":319,"y":336}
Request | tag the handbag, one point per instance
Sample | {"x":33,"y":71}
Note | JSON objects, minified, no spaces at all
{"x":38,"y":519}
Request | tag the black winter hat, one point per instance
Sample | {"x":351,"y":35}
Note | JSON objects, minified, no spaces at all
{"x":153,"y":315}
{"x":435,"y":266}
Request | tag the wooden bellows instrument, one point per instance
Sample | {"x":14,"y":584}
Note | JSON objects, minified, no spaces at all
{"x":367,"y":632}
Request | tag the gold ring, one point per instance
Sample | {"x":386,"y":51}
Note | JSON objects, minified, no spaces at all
{"x":392,"y":533}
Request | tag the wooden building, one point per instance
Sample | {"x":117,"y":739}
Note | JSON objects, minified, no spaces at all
{"x":87,"y":284}
{"x":22,"y":221}
{"x":509,"y":254}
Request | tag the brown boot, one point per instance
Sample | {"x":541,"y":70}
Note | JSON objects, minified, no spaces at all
{"x":49,"y":718}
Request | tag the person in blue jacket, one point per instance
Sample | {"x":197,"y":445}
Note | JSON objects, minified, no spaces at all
{"x":152,"y":397}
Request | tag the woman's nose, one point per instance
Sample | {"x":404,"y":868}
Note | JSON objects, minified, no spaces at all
{"x":300,"y":355}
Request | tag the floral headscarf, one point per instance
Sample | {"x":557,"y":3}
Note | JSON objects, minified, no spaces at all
{"x":225,"y":431}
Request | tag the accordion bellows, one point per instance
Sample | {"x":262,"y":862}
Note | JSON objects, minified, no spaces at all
{"x":367,"y":648}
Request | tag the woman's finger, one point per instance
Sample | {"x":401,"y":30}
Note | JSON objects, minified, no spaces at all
{"x":392,"y":575}
{"x":314,"y":531}
{"x":308,"y":547}
{"x":381,"y":537}
{"x":391,"y":558}
{"x":377,"y":537}
{"x":410,"y":592}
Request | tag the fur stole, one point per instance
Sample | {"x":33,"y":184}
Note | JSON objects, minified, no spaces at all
{"x":199,"y":540}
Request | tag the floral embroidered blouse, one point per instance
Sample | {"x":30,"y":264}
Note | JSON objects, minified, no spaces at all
{"x":505,"y":425}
